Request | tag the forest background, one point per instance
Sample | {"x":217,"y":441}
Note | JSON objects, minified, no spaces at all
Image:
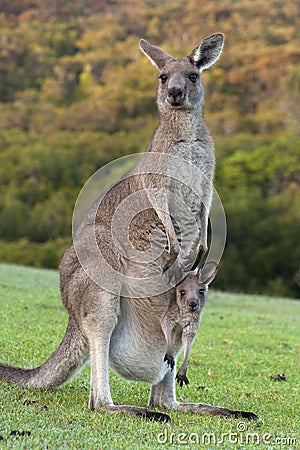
{"x":76,"y":93}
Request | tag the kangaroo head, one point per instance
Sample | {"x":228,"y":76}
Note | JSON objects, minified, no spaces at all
{"x":180,"y":84}
{"x":191,"y":293}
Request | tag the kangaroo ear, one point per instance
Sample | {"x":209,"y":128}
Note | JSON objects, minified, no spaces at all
{"x":208,"y":272}
{"x":208,"y":51}
{"x":157,"y":56}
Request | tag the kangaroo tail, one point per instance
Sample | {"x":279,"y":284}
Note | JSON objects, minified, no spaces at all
{"x":69,"y":357}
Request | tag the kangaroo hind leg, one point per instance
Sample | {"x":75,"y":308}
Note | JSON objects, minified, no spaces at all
{"x":99,"y":323}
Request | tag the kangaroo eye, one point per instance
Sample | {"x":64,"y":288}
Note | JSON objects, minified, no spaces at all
{"x":163,"y":78}
{"x":193,"y":77}
{"x":202,"y":292}
{"x":182,"y":293}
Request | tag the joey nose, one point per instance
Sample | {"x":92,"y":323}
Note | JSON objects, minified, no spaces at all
{"x":193,"y":306}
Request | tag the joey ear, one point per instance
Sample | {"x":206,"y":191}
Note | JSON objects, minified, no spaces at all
{"x":195,"y":272}
{"x":208,"y":272}
{"x":208,"y":52}
{"x":157,"y":56}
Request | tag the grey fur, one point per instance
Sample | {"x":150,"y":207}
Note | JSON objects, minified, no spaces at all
{"x":113,"y":327}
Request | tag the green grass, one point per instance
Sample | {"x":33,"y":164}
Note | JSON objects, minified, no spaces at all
{"x":244,"y":342}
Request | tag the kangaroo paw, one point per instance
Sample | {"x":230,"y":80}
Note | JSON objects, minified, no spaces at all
{"x":181,"y":380}
{"x":169,"y":359}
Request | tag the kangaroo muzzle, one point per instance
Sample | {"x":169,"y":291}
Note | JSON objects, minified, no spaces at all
{"x":193,"y":305}
{"x":176,"y":96}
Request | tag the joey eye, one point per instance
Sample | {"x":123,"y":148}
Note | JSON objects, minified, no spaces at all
{"x":182,"y":293}
{"x":163,"y":78}
{"x":193,"y":77}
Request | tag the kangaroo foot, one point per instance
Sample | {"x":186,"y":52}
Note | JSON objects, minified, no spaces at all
{"x":204,"y":409}
{"x":138,"y":411}
{"x":245,"y":415}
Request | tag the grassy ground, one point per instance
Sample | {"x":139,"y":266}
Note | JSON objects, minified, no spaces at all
{"x":244,"y":343}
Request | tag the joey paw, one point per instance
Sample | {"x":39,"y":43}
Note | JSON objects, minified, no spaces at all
{"x":169,"y":359}
{"x":182,"y":379}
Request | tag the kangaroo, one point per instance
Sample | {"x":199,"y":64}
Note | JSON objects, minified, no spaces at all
{"x":185,"y":314}
{"x":117,"y":278}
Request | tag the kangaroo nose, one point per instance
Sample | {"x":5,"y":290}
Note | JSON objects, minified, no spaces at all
{"x":175,"y":94}
{"x":193,"y":306}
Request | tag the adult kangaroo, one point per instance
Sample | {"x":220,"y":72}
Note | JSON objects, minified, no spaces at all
{"x":133,"y":246}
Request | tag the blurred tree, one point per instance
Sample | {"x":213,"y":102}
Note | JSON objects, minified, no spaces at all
{"x":75,"y":93}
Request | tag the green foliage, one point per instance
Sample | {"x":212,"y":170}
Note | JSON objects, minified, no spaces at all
{"x":263,"y":217}
{"x":243,"y":344}
{"x":47,"y":254}
{"x":75,"y":93}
